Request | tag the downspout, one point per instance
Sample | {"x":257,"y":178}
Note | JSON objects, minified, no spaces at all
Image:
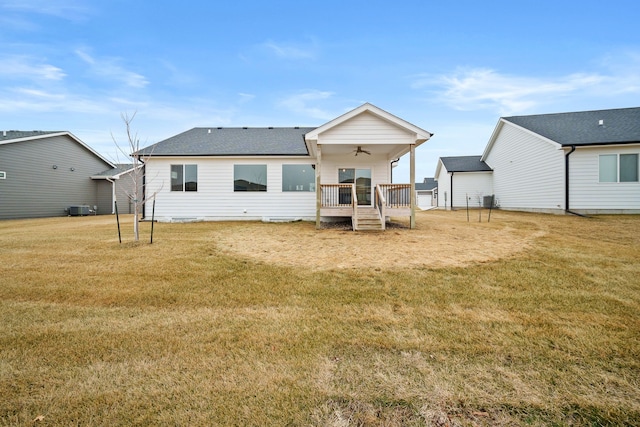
{"x":393,"y":165}
{"x":566,"y":184}
{"x":566,"y":181}
{"x":451,"y":191}
{"x":113,"y":195}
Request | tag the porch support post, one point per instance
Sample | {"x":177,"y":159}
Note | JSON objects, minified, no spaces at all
{"x":318,"y":181}
{"x":412,"y":178}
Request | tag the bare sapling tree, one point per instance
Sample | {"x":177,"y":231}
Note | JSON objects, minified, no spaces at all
{"x":135,"y":192}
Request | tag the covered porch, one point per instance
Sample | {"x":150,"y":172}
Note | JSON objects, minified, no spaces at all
{"x":355,"y":155}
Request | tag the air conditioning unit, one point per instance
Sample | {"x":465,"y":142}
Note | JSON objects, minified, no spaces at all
{"x":79,"y":210}
{"x":487,"y":201}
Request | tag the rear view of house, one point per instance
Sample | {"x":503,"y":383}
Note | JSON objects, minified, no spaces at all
{"x":340,"y":169}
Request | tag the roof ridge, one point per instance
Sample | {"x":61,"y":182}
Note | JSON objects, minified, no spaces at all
{"x":573,"y":112}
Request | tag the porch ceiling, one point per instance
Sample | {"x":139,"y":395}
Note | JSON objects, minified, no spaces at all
{"x":391,"y":151}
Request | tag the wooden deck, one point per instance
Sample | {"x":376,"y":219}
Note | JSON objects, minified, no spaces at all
{"x":341,"y":200}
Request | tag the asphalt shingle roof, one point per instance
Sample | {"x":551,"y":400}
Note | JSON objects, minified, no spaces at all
{"x":427,"y":184}
{"x":120,"y":167}
{"x":214,"y":141}
{"x":583,"y":128}
{"x":7,"y":135}
{"x":465,"y":164}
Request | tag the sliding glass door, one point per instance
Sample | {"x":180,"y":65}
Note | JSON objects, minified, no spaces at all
{"x":362,"y":179}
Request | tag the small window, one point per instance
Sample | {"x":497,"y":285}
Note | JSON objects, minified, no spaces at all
{"x":609,"y":168}
{"x":184,"y":177}
{"x":249,"y":177}
{"x":628,"y":168}
{"x":3,"y":175}
{"x":298,"y":178}
{"x":618,"y":168}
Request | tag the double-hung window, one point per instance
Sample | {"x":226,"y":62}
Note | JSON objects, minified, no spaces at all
{"x":184,"y":177}
{"x":618,"y":168}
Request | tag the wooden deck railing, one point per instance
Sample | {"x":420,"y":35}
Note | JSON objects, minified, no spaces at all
{"x":344,"y":195}
{"x":337,"y":195}
{"x":396,"y":195}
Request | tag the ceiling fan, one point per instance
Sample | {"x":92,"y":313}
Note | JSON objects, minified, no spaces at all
{"x":360,"y":150}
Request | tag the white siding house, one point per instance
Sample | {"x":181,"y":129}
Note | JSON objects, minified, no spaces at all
{"x":462,"y":180}
{"x":528,"y":171}
{"x":342,"y":168}
{"x":583,"y":162}
{"x":215,"y":198}
{"x":427,"y":193}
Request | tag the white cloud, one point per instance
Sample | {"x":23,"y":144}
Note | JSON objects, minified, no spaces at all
{"x":111,"y":69}
{"x":72,"y":10}
{"x":481,"y":88}
{"x":245,"y":97}
{"x":298,"y":104}
{"x":291,"y":51}
{"x":21,"y":67}
{"x":485,"y":88}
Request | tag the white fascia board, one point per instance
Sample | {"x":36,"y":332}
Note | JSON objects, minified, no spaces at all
{"x":439,"y":166}
{"x":421,"y":135}
{"x":499,"y":127}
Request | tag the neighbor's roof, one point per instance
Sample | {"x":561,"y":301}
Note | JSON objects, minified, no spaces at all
{"x":216,"y":141}
{"x":427,"y":184}
{"x":19,"y":136}
{"x":7,"y":135}
{"x":619,"y":126}
{"x":464,"y":164}
{"x":119,"y":169}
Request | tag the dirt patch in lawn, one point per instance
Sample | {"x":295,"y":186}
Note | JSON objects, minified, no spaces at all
{"x":441,"y":239}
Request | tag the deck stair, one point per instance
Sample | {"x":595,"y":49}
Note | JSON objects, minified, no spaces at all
{"x":369,"y":220}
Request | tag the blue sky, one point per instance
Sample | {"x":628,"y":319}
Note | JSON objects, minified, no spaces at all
{"x":452,"y":68}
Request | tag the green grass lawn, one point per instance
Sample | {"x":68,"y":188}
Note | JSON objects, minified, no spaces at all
{"x":181,"y":332}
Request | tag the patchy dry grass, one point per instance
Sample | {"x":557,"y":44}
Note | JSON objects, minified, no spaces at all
{"x":527,"y":320}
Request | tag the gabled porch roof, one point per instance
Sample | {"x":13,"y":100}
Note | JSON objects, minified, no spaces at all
{"x":406,"y":134}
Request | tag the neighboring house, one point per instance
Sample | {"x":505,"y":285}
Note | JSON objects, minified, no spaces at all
{"x":427,"y":193}
{"x":462,"y":181}
{"x":340,"y":169}
{"x":44,"y":173}
{"x":584,"y":162}
{"x":115,"y":188}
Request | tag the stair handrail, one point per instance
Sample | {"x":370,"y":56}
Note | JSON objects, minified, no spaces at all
{"x":381,"y":205}
{"x":354,"y":206}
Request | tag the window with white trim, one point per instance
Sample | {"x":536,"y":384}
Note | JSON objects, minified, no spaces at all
{"x":184,"y":177}
{"x":618,"y":168}
{"x":249,"y":177}
{"x":3,"y":175}
{"x":298,"y":178}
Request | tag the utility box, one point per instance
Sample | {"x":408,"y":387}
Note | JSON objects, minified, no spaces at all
{"x":488,"y":201}
{"x":79,"y":210}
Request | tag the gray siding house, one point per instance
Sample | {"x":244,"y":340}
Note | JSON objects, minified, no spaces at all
{"x":117,"y":185}
{"x":43,"y":173}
